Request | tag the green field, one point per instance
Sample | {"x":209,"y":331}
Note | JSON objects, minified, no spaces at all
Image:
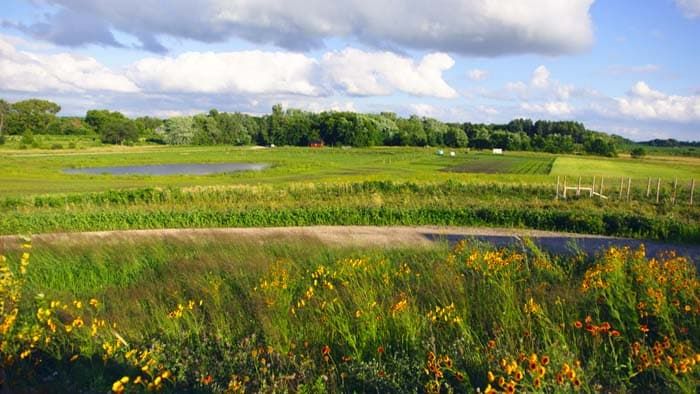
{"x":379,"y":186}
{"x":31,"y":172}
{"x":284,"y":314}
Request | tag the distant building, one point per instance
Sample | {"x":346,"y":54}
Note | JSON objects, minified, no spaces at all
{"x":316,"y":144}
{"x":497,"y":151}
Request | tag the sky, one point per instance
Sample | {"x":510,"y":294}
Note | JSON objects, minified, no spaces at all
{"x":627,"y":67}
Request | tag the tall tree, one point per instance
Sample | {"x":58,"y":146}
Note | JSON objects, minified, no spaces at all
{"x":4,"y":111}
{"x":31,"y":115}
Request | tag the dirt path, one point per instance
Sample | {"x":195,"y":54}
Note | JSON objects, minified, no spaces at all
{"x":399,"y":236}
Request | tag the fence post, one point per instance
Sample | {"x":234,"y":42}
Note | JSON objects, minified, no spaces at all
{"x":622,"y":182}
{"x":648,"y":187}
{"x":578,"y":188}
{"x":592,"y":187}
{"x":629,"y":186}
{"x":564,"y":186}
{"x":675,"y":185}
{"x":557,"y":193}
{"x":692,"y":191}
{"x":601,"y":185}
{"x":658,"y":188}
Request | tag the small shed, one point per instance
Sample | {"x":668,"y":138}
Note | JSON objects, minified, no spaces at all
{"x":497,"y":151}
{"x":316,"y":144}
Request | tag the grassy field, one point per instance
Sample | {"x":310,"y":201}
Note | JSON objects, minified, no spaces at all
{"x":275,"y":315}
{"x":39,"y":171}
{"x":379,"y":186}
{"x":668,"y":168}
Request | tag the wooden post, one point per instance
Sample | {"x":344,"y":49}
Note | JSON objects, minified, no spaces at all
{"x":629,"y":186}
{"x":692,"y":191}
{"x":592,"y":187}
{"x":648,"y":187}
{"x":557,"y":193}
{"x":578,"y":188}
{"x":658,"y":189}
{"x":622,"y":182}
{"x":675,"y":185}
{"x":601,"y":186}
{"x":565,"y":186}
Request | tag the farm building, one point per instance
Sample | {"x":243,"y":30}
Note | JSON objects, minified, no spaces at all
{"x":497,"y":151}
{"x":316,"y":144}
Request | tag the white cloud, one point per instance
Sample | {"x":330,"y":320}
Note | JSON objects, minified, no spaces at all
{"x":382,"y":73}
{"x":425,"y":110}
{"x":477,"y":74}
{"x":690,"y":8}
{"x":540,"y":77}
{"x":246,"y":72}
{"x":541,"y":86}
{"x":552,"y":108}
{"x":643,"y":102}
{"x":482,"y":27}
{"x":62,"y":72}
{"x":642,"y":69}
{"x":487,"y":110}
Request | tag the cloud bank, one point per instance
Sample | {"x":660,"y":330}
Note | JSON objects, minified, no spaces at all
{"x":471,"y":27}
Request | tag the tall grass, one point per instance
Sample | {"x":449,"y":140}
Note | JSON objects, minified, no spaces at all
{"x":277,"y":315}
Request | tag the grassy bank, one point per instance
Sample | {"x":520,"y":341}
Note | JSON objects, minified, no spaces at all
{"x":282,"y":314}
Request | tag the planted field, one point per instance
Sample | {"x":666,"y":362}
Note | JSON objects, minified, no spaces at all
{"x":683,"y":168}
{"x":274,"y":315}
{"x":505,"y":164}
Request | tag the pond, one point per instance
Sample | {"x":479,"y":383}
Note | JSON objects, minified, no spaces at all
{"x":170,"y":169}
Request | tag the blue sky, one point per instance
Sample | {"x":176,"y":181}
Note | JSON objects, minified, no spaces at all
{"x":621,"y":66}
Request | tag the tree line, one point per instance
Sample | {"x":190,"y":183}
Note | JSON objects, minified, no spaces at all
{"x":302,"y":128}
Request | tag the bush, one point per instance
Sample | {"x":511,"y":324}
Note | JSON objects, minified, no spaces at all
{"x":56,"y":146}
{"x":638,"y":153}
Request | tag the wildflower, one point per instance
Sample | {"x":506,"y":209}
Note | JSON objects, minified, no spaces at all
{"x":537,"y":383}
{"x":644,"y":328}
{"x":545,"y":360}
{"x":118,"y":387}
{"x":207,"y":380}
{"x":491,"y":344}
{"x":380,"y":350}
{"x":326,"y":350}
{"x":489,"y":390}
{"x":578,"y":324}
{"x":94,"y":302}
{"x":490,"y":377}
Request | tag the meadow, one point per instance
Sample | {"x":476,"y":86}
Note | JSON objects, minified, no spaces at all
{"x":378,"y":186}
{"x":286,"y":314}
{"x":293,"y":315}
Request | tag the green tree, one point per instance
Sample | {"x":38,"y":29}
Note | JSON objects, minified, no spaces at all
{"x":32,"y":115}
{"x":456,"y":137}
{"x":638,"y":152}
{"x":178,"y":130}
{"x":119,"y":131}
{"x":4,"y":112}
{"x":99,"y":118}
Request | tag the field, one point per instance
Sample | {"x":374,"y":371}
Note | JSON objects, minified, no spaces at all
{"x":287,"y":314}
{"x":484,"y":164}
{"x":381,"y":186}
